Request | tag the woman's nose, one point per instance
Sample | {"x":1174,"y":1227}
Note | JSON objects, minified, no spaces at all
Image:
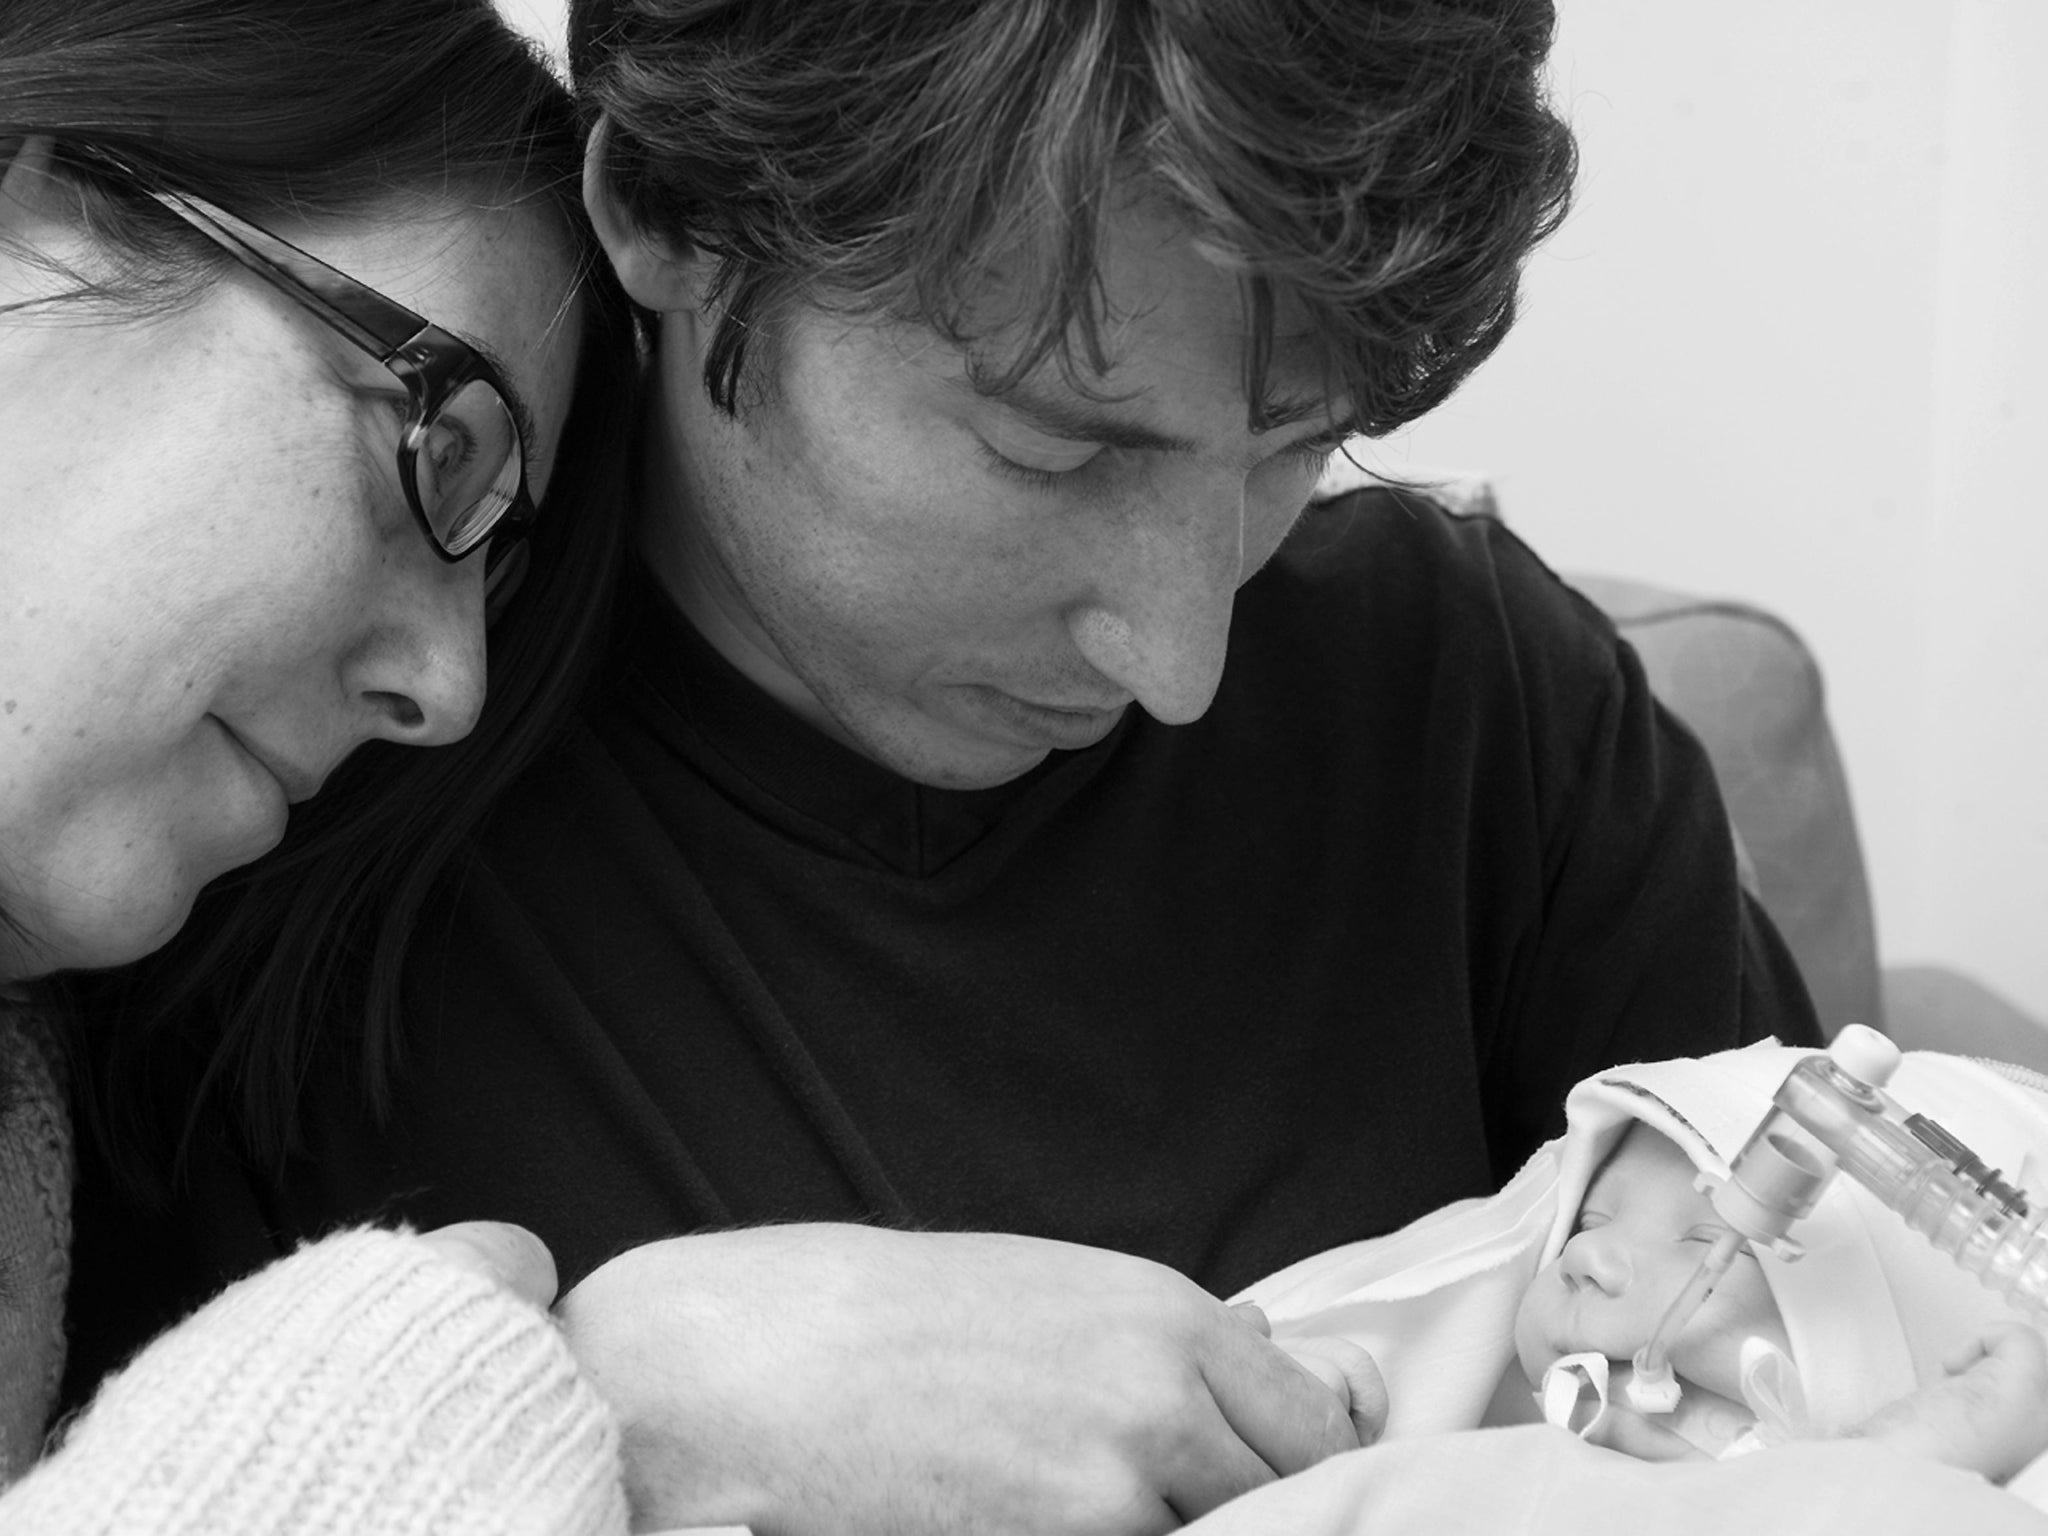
{"x":1597,"y":1259}
{"x":418,"y":672}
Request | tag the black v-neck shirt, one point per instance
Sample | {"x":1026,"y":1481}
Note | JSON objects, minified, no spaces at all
{"x":1221,"y":994}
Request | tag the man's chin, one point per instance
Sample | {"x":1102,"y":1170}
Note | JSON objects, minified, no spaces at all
{"x":964,"y":771}
{"x":937,"y":754}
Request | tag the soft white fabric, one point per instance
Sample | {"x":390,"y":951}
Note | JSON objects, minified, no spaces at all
{"x":1870,"y":1310}
{"x":1539,"y":1481}
{"x":1577,"y":1390}
{"x":1434,"y":1303}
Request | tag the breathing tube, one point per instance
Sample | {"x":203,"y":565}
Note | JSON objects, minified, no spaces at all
{"x":1831,"y":1115}
{"x":1652,"y":1386}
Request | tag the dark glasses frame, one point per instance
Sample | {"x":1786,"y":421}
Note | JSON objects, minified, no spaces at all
{"x":431,"y":363}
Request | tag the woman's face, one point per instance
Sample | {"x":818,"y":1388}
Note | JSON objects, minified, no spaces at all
{"x":213,"y":590}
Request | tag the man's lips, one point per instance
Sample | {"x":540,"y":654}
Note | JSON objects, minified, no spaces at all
{"x":1030,"y":722}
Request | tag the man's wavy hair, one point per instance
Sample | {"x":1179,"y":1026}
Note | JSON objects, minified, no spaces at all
{"x":1386,"y":165}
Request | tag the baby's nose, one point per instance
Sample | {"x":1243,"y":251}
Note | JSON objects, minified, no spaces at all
{"x":1592,"y":1258}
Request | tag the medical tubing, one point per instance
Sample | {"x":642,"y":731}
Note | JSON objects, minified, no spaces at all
{"x":1940,"y":1188}
{"x":1652,"y":1363}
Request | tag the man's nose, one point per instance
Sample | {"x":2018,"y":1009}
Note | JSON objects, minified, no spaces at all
{"x":1157,"y":618}
{"x":418,"y":671}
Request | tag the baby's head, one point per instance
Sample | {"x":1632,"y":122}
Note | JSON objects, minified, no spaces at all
{"x":1640,"y":1233}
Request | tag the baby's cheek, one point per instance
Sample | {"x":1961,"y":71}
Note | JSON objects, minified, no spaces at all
{"x":1709,"y":1351}
{"x":1532,"y":1348}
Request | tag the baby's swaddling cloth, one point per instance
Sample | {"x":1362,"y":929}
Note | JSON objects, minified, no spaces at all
{"x":1578,"y":1390}
{"x":1870,"y":1310}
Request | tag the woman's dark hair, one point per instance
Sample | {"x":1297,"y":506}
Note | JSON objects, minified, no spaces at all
{"x":1384,"y":164}
{"x":295,"y":109}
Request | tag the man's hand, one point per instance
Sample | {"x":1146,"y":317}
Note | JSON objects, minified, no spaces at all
{"x":847,"y":1379}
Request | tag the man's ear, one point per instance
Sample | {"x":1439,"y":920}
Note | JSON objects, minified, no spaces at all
{"x":656,"y":276}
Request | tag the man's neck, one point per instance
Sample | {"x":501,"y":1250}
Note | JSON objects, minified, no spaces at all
{"x":687,"y":568}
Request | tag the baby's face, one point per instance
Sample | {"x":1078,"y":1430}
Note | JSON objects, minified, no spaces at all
{"x":1640,"y":1235}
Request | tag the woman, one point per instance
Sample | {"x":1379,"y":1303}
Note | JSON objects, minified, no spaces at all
{"x":292,"y":299}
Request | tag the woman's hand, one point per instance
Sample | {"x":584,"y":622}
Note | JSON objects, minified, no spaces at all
{"x":506,"y":1255}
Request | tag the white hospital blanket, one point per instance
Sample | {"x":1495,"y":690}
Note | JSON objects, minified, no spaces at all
{"x":1434,"y":1304}
{"x":1539,"y":1481}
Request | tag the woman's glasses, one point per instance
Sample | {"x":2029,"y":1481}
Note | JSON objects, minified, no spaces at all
{"x":461,"y":452}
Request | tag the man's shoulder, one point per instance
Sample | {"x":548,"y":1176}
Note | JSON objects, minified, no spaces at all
{"x":1381,"y":570}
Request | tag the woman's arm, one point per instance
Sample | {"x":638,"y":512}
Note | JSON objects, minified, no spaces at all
{"x":368,"y":1383}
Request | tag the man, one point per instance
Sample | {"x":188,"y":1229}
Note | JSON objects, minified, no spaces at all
{"x":923,"y":868}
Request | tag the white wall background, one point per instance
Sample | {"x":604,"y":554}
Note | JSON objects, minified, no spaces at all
{"x":1791,"y":347}
{"x":543,"y":19}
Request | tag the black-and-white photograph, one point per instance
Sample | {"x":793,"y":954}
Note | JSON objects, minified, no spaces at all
{"x":1023,"y":767}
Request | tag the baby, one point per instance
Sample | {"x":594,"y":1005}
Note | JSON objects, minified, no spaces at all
{"x":1550,"y":1287}
{"x":1640,"y":1234}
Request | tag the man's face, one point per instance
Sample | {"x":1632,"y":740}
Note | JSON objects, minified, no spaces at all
{"x":1640,"y":1235}
{"x":956,"y":584}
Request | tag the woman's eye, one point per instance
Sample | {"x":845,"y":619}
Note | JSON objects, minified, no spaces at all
{"x":443,"y":456}
{"x":450,"y":445}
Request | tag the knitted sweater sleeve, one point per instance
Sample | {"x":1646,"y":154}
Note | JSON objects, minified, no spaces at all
{"x":364,"y":1384}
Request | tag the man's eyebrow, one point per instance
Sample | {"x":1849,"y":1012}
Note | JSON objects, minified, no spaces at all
{"x":522,"y":414}
{"x":1084,"y":421}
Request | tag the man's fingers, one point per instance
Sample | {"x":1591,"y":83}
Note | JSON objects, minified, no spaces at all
{"x":1214,"y":1467}
{"x":1286,"y":1415}
{"x":1254,"y":1315}
{"x":504,"y":1254}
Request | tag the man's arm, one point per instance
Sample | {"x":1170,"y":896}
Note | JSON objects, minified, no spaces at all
{"x":852,"y":1379}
